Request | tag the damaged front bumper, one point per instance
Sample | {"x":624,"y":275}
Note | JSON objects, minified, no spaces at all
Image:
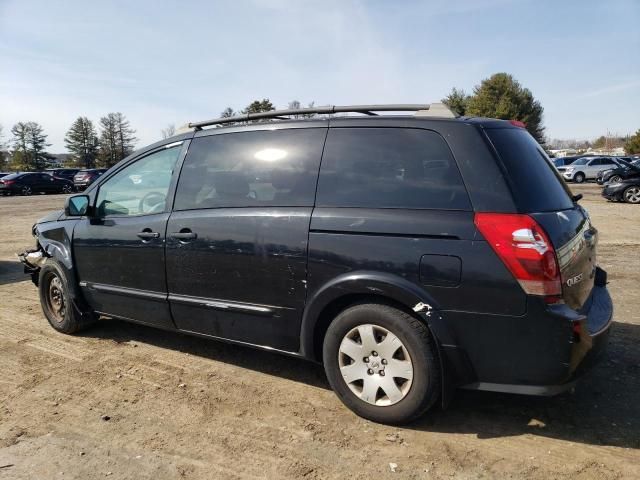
{"x":33,"y":259}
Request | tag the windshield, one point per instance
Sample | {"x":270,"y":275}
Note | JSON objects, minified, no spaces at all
{"x":581,"y":161}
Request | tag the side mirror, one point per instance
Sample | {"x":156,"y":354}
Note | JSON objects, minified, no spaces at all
{"x":76,"y":206}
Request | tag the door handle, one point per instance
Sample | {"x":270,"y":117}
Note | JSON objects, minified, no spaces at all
{"x":184,"y":235}
{"x":147,"y":234}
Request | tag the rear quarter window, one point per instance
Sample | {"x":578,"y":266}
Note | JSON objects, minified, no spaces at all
{"x":389,"y":168}
{"x":537,"y":185}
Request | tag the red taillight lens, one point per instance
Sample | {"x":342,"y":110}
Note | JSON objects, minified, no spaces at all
{"x":525,"y":249}
{"x":8,"y":182}
{"x":518,"y":123}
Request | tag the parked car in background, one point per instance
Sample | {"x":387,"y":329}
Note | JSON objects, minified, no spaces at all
{"x":625,"y":169}
{"x":84,"y":178}
{"x":67,"y":173}
{"x":409,"y":255}
{"x":626,"y":190}
{"x":34,"y":182}
{"x":587,"y":168}
{"x":560,"y":162}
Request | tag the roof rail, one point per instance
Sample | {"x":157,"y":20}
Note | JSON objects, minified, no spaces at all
{"x":433,"y":110}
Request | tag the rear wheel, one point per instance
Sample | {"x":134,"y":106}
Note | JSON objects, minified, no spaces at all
{"x":26,"y":190}
{"x":632,"y":195}
{"x":67,"y":188}
{"x":579,"y":177}
{"x":382,"y":364}
{"x":53,"y":286}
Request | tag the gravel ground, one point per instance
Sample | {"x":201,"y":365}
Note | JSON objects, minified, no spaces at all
{"x":127,"y":401}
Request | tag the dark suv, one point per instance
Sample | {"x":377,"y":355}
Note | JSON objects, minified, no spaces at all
{"x":409,"y":254}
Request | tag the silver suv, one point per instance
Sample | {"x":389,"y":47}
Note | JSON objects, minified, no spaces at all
{"x":586,"y":168}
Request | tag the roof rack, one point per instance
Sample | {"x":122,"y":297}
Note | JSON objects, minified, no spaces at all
{"x":432,"y":110}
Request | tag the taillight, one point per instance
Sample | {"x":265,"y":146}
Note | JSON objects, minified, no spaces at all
{"x":518,"y":123}
{"x":8,"y":182}
{"x":525,"y":249}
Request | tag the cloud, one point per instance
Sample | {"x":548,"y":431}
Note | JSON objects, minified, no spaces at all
{"x":617,"y":87}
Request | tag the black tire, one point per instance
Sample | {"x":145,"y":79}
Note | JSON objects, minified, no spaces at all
{"x":424,"y":389}
{"x":615,"y":179}
{"x":53,"y":286}
{"x":26,"y":191}
{"x":579,"y":177}
{"x":66,"y":189}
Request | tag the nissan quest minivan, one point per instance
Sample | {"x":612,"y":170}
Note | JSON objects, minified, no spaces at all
{"x":409,"y":254}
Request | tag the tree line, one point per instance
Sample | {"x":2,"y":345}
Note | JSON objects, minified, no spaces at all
{"x":88,"y":147}
{"x":499,"y":96}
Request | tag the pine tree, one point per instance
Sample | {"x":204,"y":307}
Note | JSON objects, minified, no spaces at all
{"x":117,"y":139}
{"x":502,"y":96}
{"x":457,"y":101}
{"x":29,"y":146}
{"x":82,"y":141}
{"x":633,"y":144}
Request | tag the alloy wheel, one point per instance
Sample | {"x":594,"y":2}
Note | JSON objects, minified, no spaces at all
{"x":615,"y":179}
{"x":66,"y":189}
{"x":632,"y":195}
{"x":26,"y":191}
{"x":375,"y":365}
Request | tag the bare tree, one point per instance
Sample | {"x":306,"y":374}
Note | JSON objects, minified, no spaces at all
{"x":170,"y":131}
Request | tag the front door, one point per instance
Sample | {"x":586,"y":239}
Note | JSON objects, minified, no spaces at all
{"x":119,"y":250}
{"x":237,"y":238}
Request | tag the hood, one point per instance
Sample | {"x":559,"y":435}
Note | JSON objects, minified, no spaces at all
{"x":51,"y":217}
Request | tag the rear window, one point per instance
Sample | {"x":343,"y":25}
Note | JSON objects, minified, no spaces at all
{"x":389,"y":168}
{"x":12,"y":176}
{"x":538,"y":186}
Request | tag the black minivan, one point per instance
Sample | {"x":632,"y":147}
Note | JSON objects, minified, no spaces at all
{"x":411,"y":255}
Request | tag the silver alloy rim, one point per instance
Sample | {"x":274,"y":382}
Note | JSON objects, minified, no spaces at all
{"x":632,"y":195}
{"x":26,"y":190}
{"x":375,"y":365}
{"x":66,"y":189}
{"x":615,"y":179}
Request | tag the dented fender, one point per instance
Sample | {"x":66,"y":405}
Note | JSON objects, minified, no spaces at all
{"x":381,"y":284}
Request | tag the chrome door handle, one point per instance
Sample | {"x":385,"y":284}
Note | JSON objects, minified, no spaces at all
{"x":184,"y":235}
{"x":148,"y":234}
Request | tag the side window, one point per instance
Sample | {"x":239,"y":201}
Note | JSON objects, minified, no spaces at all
{"x":389,"y":168}
{"x":141,"y":188}
{"x":258,"y":168}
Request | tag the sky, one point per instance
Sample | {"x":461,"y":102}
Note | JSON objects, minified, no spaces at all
{"x":172,"y":62}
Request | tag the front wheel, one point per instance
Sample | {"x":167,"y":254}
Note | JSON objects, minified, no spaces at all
{"x":615,"y":179}
{"x":632,"y":195}
{"x":579,"y":177}
{"x":382,"y":363}
{"x":53,"y":286}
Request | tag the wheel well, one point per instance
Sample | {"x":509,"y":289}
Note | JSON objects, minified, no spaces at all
{"x":330,"y":311}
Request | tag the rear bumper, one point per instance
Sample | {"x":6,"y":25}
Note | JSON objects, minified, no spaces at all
{"x":556,"y":366}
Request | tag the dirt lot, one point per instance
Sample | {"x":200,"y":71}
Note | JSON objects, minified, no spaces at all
{"x":184,"y":407}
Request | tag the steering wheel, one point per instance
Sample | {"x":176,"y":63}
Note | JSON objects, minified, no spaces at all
{"x":152,"y":202}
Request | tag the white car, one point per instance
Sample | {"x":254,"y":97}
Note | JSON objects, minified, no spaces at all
{"x":587,"y":168}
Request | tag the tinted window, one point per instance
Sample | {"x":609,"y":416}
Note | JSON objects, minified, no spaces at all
{"x":538,"y":186}
{"x":389,"y":168}
{"x":259,"y":168}
{"x":141,"y":187}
